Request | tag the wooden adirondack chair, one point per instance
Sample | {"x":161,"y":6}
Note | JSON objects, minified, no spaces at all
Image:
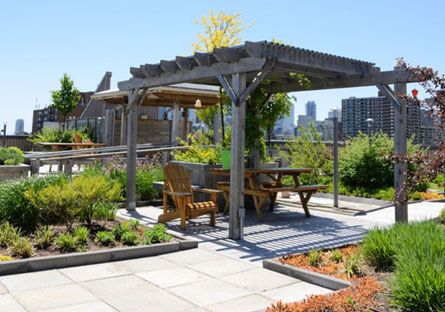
{"x":177,"y":184}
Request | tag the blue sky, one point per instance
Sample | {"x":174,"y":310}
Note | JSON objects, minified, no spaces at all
{"x":41,"y":40}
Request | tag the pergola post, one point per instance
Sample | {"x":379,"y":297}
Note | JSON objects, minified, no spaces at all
{"x":237,"y":159}
{"x":175,"y":125}
{"x":400,"y":148}
{"x":132,"y":112}
{"x":123,"y":125}
{"x":185,"y":125}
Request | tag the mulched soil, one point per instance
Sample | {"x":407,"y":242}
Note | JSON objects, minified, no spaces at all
{"x":331,"y":268}
{"x":92,"y":244}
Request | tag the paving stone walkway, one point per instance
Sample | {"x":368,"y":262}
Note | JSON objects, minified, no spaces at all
{"x":192,"y":280}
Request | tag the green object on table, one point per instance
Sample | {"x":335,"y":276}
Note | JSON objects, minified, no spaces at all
{"x":225,"y":158}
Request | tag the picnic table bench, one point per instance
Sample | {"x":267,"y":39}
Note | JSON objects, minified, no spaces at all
{"x":263,"y":190}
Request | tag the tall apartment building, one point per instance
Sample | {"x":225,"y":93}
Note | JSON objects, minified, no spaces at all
{"x":355,"y":112}
{"x":19,"y":127}
{"x":311,"y":110}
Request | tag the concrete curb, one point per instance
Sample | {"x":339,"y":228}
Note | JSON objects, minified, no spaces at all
{"x":306,"y":275}
{"x":92,"y":257}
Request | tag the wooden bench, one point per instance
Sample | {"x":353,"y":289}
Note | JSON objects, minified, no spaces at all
{"x":304,"y":191}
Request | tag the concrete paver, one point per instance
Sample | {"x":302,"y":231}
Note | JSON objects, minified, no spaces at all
{"x":146,"y":264}
{"x":191,"y":256}
{"x":95,"y":271}
{"x":3,"y":289}
{"x":19,"y":282}
{"x":172,"y":277}
{"x":8,"y":303}
{"x":242,"y":304}
{"x":53,"y":297}
{"x":95,"y":306}
{"x":295,"y":292}
{"x":221,"y":267}
{"x":259,"y":280}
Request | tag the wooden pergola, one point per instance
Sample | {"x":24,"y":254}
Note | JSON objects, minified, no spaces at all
{"x":239,"y":70}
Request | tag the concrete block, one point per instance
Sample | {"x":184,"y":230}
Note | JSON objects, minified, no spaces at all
{"x":26,"y":281}
{"x":172,"y":277}
{"x":295,"y":292}
{"x":9,"y":304}
{"x":96,"y":306}
{"x":248,"y":303}
{"x":222,"y":267}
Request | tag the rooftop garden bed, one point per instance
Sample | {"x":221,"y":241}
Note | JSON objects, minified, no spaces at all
{"x":400,"y":268}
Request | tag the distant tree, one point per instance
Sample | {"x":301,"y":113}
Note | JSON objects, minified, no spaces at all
{"x":66,"y":99}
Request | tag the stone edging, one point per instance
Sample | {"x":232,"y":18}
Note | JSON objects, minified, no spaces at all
{"x":306,"y":275}
{"x":92,"y":257}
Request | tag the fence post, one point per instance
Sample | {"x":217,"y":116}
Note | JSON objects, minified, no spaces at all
{"x":109,"y":127}
{"x":68,"y":167}
{"x":35,"y":166}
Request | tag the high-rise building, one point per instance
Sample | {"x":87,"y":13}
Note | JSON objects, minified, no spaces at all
{"x":303,"y":122}
{"x":311,"y":110}
{"x":286,"y":125}
{"x":355,"y":112}
{"x":19,"y":126}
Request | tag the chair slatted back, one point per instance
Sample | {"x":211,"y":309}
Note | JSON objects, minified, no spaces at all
{"x":178,"y":180}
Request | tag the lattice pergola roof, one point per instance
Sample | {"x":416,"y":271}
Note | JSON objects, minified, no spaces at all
{"x":323,"y":70}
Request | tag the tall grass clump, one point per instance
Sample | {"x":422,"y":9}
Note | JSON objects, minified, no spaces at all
{"x":419,"y":277}
{"x":378,"y":249}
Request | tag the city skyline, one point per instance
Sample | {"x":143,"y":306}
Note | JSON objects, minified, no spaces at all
{"x":54,"y":38}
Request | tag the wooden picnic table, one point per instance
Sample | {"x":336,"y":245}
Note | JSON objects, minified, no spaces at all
{"x":263,"y":190}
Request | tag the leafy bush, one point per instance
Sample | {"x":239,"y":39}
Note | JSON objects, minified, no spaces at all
{"x":156,"y":235}
{"x":22,"y":248}
{"x":81,"y":233}
{"x":378,"y":249}
{"x":58,"y":136}
{"x":10,"y":156}
{"x":314,"y":257}
{"x":119,"y":230}
{"x":66,"y":242}
{"x":91,"y":191}
{"x":105,"y":211}
{"x":442,"y":215}
{"x":43,"y":238}
{"x":129,"y":238}
{"x":419,"y":278}
{"x":105,"y":238}
{"x":352,"y":265}
{"x":133,"y":224}
{"x":308,"y":151}
{"x":196,"y":153}
{"x":8,"y":234}
{"x":16,"y":208}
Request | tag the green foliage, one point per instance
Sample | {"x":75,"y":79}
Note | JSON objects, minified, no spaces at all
{"x":308,"y":151}
{"x":442,"y":215}
{"x":58,"y":136}
{"x":22,"y":248}
{"x":10,"y":156}
{"x":16,"y":208}
{"x":314,"y":257}
{"x":105,"y":211}
{"x":119,"y":230}
{"x":66,"y":99}
{"x":105,"y":238}
{"x":129,"y":238}
{"x":196,"y":153}
{"x":8,"y":234}
{"x":44,"y":238}
{"x":378,"y":249}
{"x":352,"y":265}
{"x":81,"y":233}
{"x":66,"y":242}
{"x":419,"y":277}
{"x":134,"y":224}
{"x":91,"y":191}
{"x":156,"y":235}
{"x":336,"y":255}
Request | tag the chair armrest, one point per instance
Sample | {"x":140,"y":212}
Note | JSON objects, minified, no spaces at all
{"x":178,"y":194}
{"x":209,"y":191}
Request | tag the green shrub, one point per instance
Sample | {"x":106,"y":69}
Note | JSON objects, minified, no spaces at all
{"x":10,"y":156}
{"x":58,"y":136}
{"x":8,"y":234}
{"x":156,"y":235}
{"x":336,"y":255}
{"x":352,"y":265}
{"x":90,"y":191}
{"x":196,"y":153}
{"x":58,"y":201}
{"x":16,"y":208}
{"x":66,"y":242}
{"x":44,"y":238}
{"x":378,"y":249}
{"x":129,"y":238}
{"x":22,"y":248}
{"x":81,"y":233}
{"x":105,"y":211}
{"x":119,"y":230}
{"x":105,"y":238}
{"x":314,"y":257}
{"x":419,"y":277}
{"x":133,"y":224}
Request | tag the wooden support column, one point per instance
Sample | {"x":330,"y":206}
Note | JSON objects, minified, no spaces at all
{"x":185,"y":129}
{"x":217,"y":128}
{"x":132,"y":111}
{"x":400,"y":130}
{"x":175,"y":121}
{"x":237,"y":161}
{"x":123,"y":125}
{"x":109,"y":126}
